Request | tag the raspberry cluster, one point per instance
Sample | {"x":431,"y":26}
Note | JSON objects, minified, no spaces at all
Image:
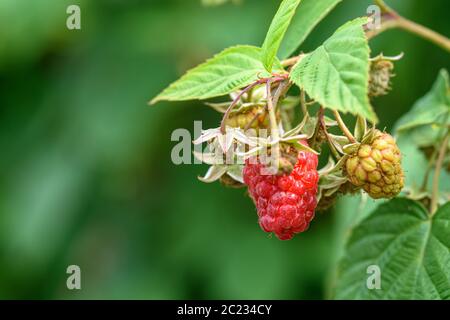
{"x":285,"y":202}
{"x":376,"y":167}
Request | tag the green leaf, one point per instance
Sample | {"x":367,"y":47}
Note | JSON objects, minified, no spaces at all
{"x":309,"y":14}
{"x":277,"y":29}
{"x":228,"y":71}
{"x":432,"y":109}
{"x":411,"y":250}
{"x":336,"y":74}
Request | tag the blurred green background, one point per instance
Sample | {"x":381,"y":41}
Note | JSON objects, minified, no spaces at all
{"x":86,"y":176}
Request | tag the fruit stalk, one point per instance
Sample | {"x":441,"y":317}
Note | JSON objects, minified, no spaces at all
{"x":303,"y":103}
{"x":394,"y":20}
{"x":343,"y":127}
{"x":273,"y":124}
{"x":324,"y":127}
{"x":437,"y":173}
{"x":235,"y":101}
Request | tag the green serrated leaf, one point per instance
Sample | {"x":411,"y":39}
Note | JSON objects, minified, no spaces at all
{"x":277,"y":29}
{"x":336,"y":74}
{"x":411,"y":250}
{"x":228,"y":71}
{"x":431,"y":109}
{"x":309,"y":14}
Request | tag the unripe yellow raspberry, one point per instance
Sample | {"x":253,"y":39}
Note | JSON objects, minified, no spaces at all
{"x":376,"y":167}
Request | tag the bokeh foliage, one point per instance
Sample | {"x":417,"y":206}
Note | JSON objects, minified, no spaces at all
{"x":86,"y":172}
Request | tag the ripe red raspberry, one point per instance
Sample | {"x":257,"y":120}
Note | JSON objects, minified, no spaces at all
{"x":285,"y":202}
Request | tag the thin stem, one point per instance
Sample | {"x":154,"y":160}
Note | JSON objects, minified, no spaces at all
{"x":239,"y":96}
{"x":393,"y":20}
{"x":273,"y":124}
{"x":286,"y":120}
{"x":428,"y":170}
{"x":322,"y":123}
{"x":281,"y":91}
{"x":291,"y":61}
{"x":343,"y":127}
{"x":259,"y":113}
{"x":385,"y":25}
{"x":437,"y":173}
{"x":383,"y":6}
{"x":303,"y":103}
{"x":271,"y":109}
{"x":424,"y":33}
{"x":249,"y":96}
{"x":235,"y":101}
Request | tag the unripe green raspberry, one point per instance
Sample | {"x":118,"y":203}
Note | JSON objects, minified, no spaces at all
{"x":243,"y":118}
{"x":376,"y":167}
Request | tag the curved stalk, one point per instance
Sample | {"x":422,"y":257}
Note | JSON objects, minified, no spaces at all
{"x":235,"y":101}
{"x":303,"y":104}
{"x":394,"y":20}
{"x":239,"y":96}
{"x":343,"y":127}
{"x":291,"y":61}
{"x":437,"y":173}
{"x":324,"y":127}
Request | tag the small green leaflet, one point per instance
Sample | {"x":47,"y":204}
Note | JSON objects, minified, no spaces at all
{"x":336,"y":74}
{"x":431,"y":109}
{"x":309,"y":14}
{"x":228,"y":71}
{"x":411,"y":250}
{"x":277,"y":29}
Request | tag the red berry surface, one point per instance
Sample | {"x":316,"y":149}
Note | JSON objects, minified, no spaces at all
{"x":286,"y":202}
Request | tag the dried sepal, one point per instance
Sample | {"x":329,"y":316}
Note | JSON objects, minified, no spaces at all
{"x":235,"y":172}
{"x":338,"y":142}
{"x":369,"y":136}
{"x":328,"y":167}
{"x":301,"y":147}
{"x":329,"y":122}
{"x":360,"y":128}
{"x":351,"y":148}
